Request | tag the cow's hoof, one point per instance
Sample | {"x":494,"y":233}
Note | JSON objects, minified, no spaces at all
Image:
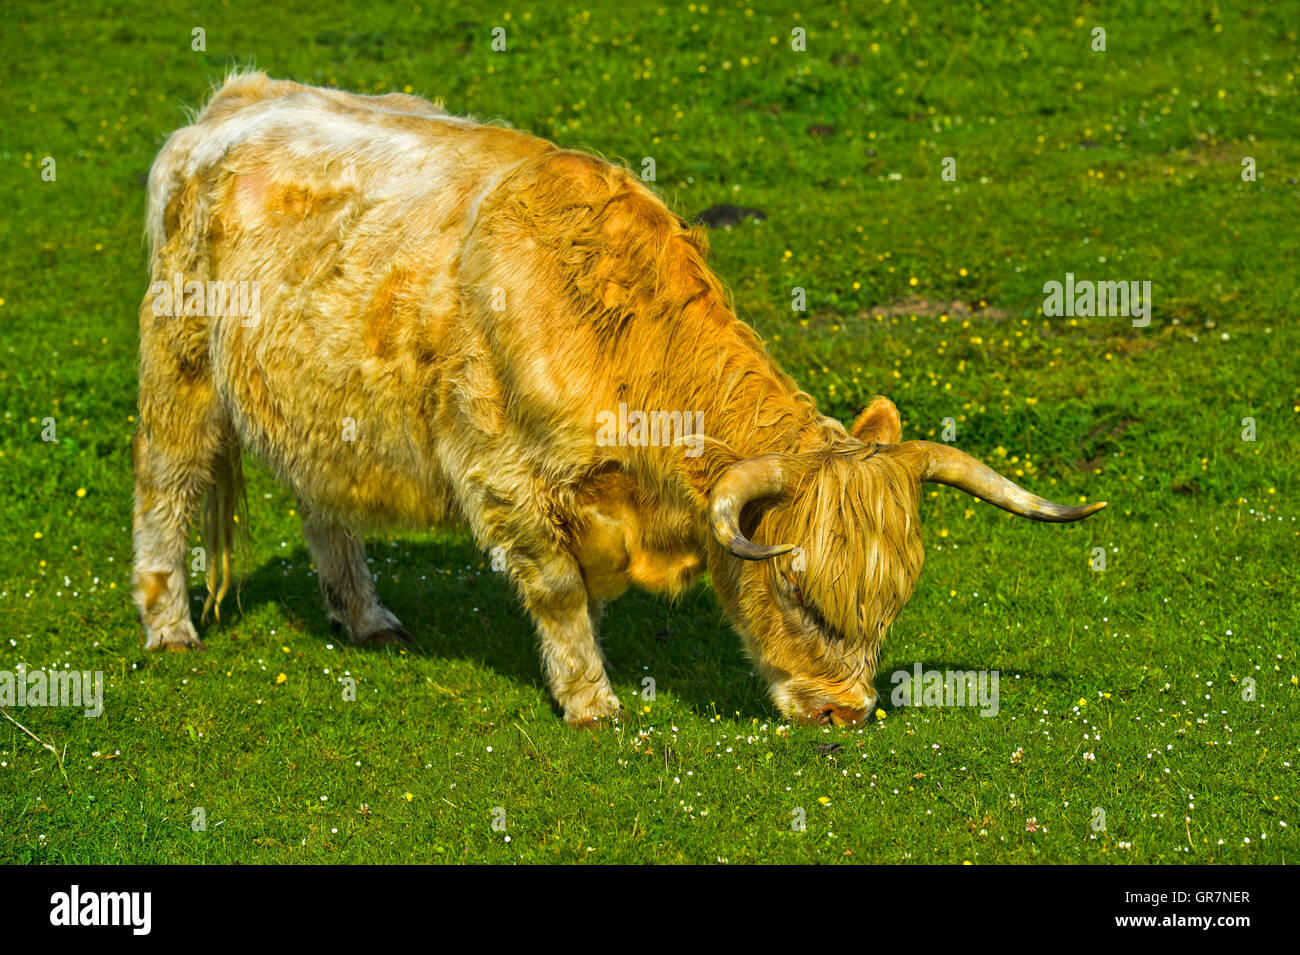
{"x":178,"y":637}
{"x":592,"y":723}
{"x":606,"y":716}
{"x":394,"y":636}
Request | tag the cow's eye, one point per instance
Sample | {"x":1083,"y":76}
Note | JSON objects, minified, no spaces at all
{"x":814,"y":616}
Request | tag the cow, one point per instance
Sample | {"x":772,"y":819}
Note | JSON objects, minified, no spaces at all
{"x":460,"y":324}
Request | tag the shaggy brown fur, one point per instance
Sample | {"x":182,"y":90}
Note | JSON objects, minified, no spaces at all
{"x":445,"y":309}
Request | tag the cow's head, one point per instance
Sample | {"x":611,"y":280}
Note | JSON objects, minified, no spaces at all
{"x":830,"y":548}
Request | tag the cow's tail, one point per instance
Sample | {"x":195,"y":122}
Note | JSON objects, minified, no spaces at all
{"x":225,"y":516}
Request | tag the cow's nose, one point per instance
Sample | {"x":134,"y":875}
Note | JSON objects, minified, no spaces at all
{"x":834,"y":715}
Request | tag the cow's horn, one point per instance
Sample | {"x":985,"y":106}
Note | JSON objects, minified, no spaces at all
{"x":944,"y":464}
{"x":745,"y":481}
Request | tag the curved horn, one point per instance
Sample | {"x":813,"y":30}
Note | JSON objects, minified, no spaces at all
{"x":745,"y":481}
{"x":944,"y":464}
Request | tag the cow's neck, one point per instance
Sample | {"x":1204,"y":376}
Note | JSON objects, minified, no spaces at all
{"x":759,"y":409}
{"x":747,"y":403}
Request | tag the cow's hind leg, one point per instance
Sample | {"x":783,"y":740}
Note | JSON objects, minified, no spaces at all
{"x":347,"y":584}
{"x":181,"y":434}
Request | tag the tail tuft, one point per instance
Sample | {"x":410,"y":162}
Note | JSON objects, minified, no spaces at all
{"x":221,"y":513}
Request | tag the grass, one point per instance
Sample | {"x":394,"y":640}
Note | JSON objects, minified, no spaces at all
{"x":1121,"y":690}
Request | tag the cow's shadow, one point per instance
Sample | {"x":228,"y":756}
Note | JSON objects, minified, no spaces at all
{"x":447,"y":596}
{"x":457,"y":608}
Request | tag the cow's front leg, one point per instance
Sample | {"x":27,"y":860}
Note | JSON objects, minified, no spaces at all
{"x":568,"y":621}
{"x":346,"y":582}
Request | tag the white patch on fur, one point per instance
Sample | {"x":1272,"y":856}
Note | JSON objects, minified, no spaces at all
{"x":312,"y":125}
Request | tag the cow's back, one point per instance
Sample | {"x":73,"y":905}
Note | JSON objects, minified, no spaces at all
{"x":284,"y":141}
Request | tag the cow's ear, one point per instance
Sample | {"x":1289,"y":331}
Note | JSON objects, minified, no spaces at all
{"x":879,"y":424}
